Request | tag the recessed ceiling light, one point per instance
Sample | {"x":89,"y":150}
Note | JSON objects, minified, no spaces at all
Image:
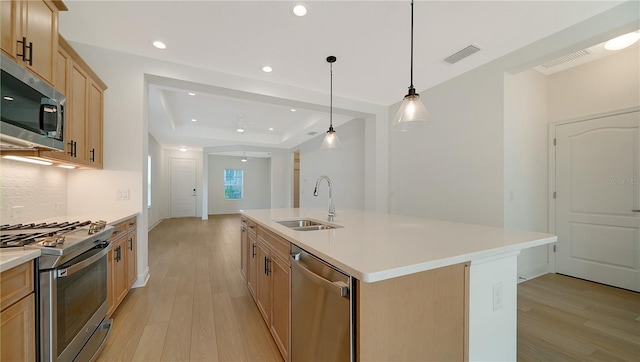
{"x":244,"y":159}
{"x":300,"y":10}
{"x":623,"y":41}
{"x":267,"y":69}
{"x":293,"y":109}
{"x":159,"y":45}
{"x":183,"y":149}
{"x":7,"y":98}
{"x":240,"y":129}
{"x":270,"y":128}
{"x":194,"y":120}
{"x":191,"y":94}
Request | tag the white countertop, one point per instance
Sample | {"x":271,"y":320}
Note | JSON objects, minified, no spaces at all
{"x":11,"y":257}
{"x":373,"y":246}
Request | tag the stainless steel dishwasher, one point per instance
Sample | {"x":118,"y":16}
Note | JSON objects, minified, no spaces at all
{"x":322,"y":310}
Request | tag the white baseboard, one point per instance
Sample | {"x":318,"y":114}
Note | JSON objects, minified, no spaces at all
{"x":142,"y":279}
{"x":156,"y":224}
{"x":533,"y":272}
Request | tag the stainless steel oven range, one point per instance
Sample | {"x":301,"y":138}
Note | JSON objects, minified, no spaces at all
{"x":72,"y":286}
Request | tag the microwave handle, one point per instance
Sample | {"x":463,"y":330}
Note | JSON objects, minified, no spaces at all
{"x":61,"y":273}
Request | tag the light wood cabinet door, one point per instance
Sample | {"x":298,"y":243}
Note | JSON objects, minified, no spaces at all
{"x":40,"y":27}
{"x":244,"y":253}
{"x":18,"y":331}
{"x":252,"y":265}
{"x":94,"y":125}
{"x":10,"y":23}
{"x":281,"y":304}
{"x":77,"y":101}
{"x":263,"y":291}
{"x":132,"y":257}
{"x":117,"y":272}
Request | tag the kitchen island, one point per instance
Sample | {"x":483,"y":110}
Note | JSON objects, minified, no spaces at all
{"x":430,"y":264}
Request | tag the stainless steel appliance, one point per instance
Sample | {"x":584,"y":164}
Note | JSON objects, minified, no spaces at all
{"x":322,"y":310}
{"x":72,"y":285}
{"x":32,"y":111}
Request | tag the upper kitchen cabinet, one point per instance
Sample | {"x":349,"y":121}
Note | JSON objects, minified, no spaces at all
{"x":83,"y":111}
{"x":29,"y":31}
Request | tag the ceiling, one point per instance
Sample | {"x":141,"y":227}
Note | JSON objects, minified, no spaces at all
{"x":369,"y":38}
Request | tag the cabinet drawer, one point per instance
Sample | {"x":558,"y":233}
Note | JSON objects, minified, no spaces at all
{"x":118,"y":229}
{"x":277,"y":244}
{"x":250,"y":224}
{"x":15,"y":284}
{"x":131,"y":223}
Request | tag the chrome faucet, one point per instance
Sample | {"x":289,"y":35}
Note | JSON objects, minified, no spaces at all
{"x":332,"y":208}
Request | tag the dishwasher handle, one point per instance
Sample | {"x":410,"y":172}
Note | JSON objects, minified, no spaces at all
{"x":340,"y":288}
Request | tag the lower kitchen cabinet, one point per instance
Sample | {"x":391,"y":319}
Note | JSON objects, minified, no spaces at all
{"x":117,"y":265}
{"x":17,"y":317}
{"x":268,"y":275}
{"x":121,"y":262}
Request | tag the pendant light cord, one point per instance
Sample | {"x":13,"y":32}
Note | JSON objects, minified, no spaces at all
{"x":331,"y":100}
{"x":411,"y":86}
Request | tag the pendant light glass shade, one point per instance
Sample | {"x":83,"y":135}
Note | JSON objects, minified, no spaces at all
{"x":412,"y":114}
{"x":331,"y":140}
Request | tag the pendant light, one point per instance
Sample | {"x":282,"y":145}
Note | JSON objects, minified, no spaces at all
{"x":412,"y":113}
{"x":331,"y":138}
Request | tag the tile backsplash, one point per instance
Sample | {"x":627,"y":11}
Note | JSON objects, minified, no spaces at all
{"x":31,"y":192}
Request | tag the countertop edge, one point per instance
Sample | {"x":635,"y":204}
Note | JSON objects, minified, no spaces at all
{"x":13,"y":258}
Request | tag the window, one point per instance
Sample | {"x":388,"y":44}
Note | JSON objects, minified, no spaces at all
{"x":233,"y":184}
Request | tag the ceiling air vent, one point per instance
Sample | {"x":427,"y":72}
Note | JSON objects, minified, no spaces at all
{"x":458,"y":56}
{"x":567,"y":58}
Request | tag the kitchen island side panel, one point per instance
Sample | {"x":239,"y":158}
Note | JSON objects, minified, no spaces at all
{"x":418,"y":317}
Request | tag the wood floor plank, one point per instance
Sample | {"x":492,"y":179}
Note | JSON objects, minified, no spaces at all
{"x":572,"y":319}
{"x":153,"y":336}
{"x":204,"y":344}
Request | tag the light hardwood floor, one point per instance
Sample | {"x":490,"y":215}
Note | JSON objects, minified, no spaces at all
{"x":196,"y":307}
{"x":568,"y":319}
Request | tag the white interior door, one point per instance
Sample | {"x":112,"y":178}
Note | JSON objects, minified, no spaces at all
{"x":597,"y":184}
{"x":183,"y":187}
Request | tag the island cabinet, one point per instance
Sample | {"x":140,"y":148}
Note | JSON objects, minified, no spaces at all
{"x":121,"y":262}
{"x":267,"y":269}
{"x":17,"y":314}
{"x":29,"y":31}
{"x":419,"y":317}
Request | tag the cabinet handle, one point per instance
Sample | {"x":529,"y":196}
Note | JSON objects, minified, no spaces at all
{"x":30,"y":47}
{"x":70,"y":148}
{"x":93,"y":155}
{"x":24,"y":46}
{"x":268,"y":266}
{"x":253,"y":250}
{"x":131,"y":244}
{"x":119,"y":253}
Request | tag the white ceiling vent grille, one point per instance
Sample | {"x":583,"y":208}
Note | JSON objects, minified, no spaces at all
{"x":458,"y":56}
{"x":567,"y":58}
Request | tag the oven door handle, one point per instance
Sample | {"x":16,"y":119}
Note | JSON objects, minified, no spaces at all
{"x":61,"y":273}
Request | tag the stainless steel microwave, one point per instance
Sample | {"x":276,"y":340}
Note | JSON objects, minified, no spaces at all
{"x":32,"y":110}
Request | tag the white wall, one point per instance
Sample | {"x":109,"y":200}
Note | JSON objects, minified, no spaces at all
{"x":605,"y":85}
{"x":526,"y":163}
{"x":34,"y":190}
{"x":256,"y":184}
{"x":344,"y":166}
{"x":160,"y":184}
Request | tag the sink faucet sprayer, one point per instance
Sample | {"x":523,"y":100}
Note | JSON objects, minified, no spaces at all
{"x":332,"y":208}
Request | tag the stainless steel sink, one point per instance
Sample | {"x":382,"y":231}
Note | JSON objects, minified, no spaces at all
{"x":306,"y":225}
{"x":298,"y":223}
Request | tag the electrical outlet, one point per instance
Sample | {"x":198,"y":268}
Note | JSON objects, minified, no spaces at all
{"x":122,"y":194}
{"x":498,"y":297}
